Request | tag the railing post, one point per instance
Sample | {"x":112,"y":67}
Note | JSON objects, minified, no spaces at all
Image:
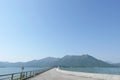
{"x":12,"y":76}
{"x":26,"y":74}
{"x":30,"y":73}
{"x":33,"y":73}
{"x":21,"y":76}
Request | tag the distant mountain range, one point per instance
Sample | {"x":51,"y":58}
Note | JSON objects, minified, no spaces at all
{"x":66,"y":61}
{"x":117,"y":64}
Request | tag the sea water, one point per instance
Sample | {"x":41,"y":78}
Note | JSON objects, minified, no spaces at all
{"x":106,"y":70}
{"x":9,"y":70}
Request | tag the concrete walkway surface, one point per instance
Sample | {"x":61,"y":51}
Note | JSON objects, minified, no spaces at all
{"x":55,"y":74}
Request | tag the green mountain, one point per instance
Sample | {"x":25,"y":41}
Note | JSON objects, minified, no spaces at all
{"x":82,"y":61}
{"x":46,"y":62}
{"x":66,"y":61}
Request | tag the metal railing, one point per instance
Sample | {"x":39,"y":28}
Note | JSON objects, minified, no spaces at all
{"x":22,"y":75}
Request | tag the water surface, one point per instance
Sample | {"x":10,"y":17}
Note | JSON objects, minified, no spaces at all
{"x":9,"y":70}
{"x":115,"y":71}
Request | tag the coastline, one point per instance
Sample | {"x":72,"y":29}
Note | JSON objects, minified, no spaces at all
{"x":91,"y":75}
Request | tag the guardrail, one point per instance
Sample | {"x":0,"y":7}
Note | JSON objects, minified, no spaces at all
{"x":22,"y":75}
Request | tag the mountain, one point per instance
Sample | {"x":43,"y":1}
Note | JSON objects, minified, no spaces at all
{"x":46,"y":62}
{"x":4,"y":64}
{"x":82,"y":61}
{"x":117,"y":64}
{"x":66,"y":61}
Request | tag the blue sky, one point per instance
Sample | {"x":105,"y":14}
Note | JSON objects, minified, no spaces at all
{"x":34,"y":29}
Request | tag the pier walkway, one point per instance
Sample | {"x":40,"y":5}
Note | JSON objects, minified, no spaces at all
{"x":55,"y":74}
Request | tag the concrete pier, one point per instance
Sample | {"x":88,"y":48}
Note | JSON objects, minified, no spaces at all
{"x":57,"y":74}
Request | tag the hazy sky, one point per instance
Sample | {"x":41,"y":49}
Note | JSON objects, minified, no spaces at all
{"x":34,"y":29}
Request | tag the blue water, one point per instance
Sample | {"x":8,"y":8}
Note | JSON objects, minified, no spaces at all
{"x":9,"y":70}
{"x":115,"y":71}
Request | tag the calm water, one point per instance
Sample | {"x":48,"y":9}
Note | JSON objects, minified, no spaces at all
{"x":16,"y":69}
{"x":96,"y":70}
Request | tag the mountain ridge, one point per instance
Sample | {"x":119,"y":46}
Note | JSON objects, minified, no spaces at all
{"x":66,"y":61}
